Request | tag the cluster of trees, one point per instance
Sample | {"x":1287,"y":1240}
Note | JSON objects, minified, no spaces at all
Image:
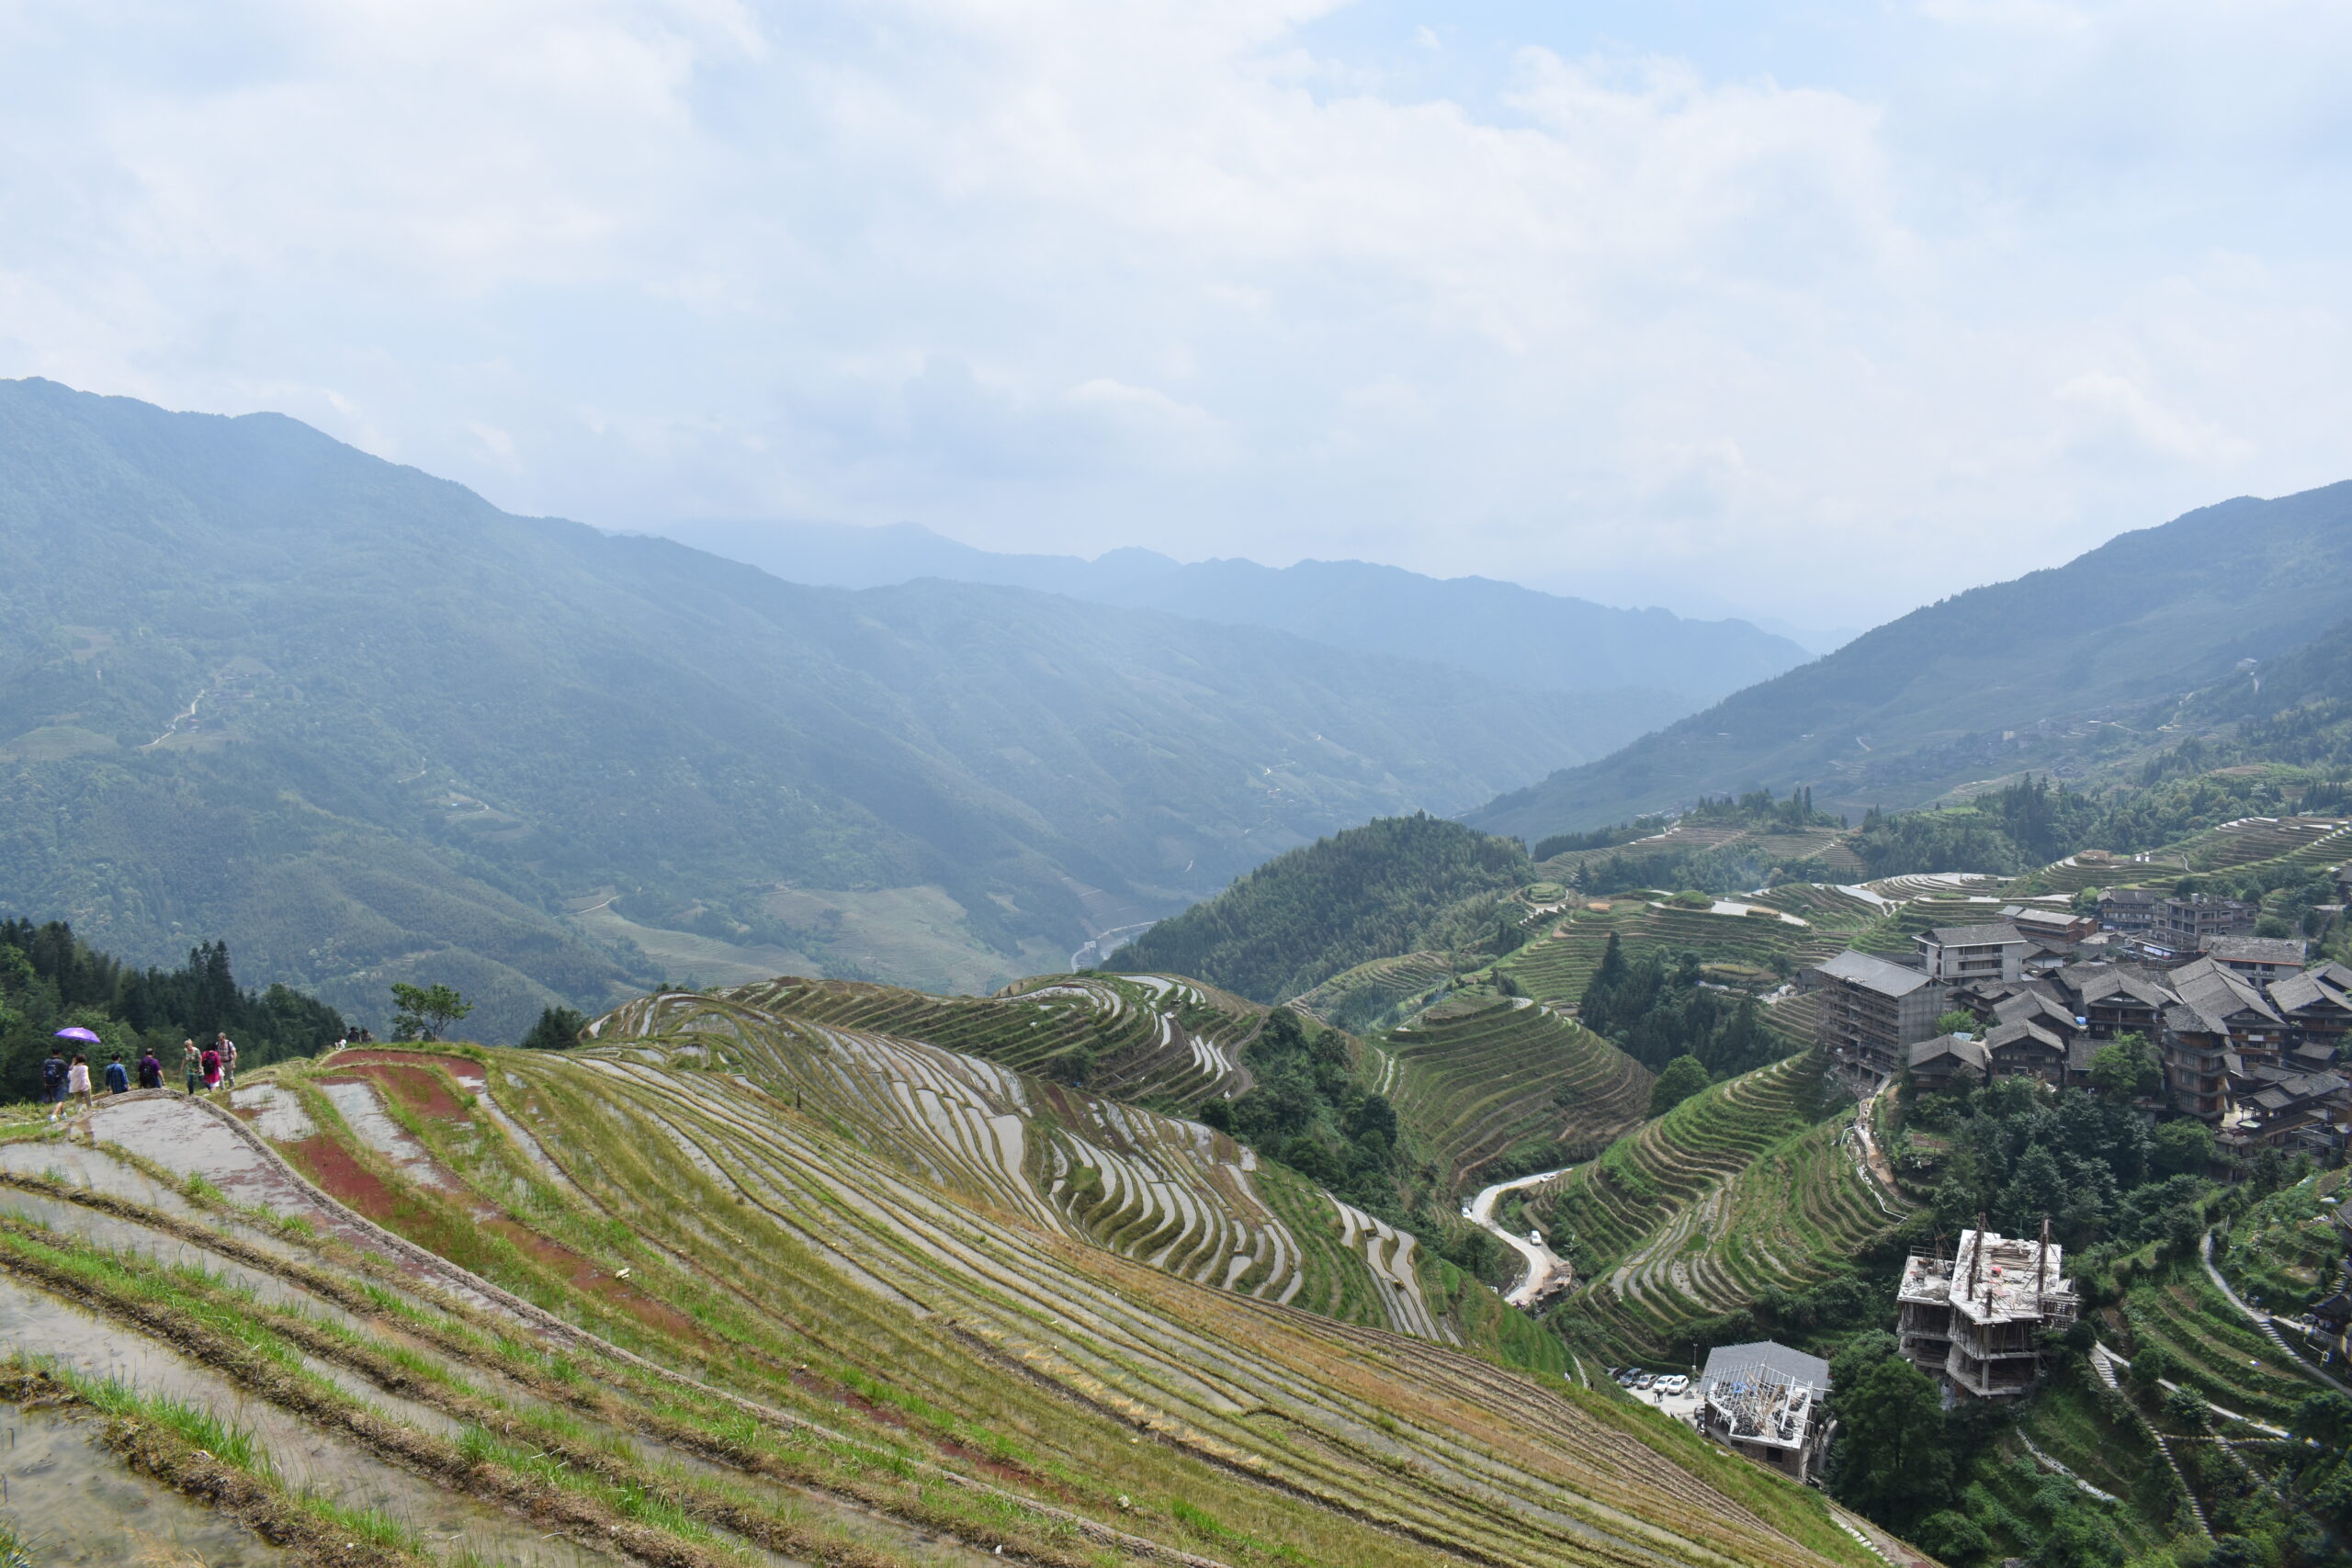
{"x":1655,"y":1009}
{"x":50,"y":979}
{"x":2085,"y":1156}
{"x":1741,"y":863}
{"x":1395,"y":884}
{"x":1308,"y":1110}
{"x":1603,"y":837}
{"x":1907,"y":1462}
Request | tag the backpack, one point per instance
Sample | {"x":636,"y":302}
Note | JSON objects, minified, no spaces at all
{"x":53,"y":1072}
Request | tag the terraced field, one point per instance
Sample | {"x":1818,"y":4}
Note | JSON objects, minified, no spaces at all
{"x":1357,"y":998}
{"x":2255,"y":840}
{"x":1167,"y":1192}
{"x":2218,"y":1353}
{"x":1734,"y":1191}
{"x":1821,"y":851}
{"x":2308,"y":841}
{"x":1133,"y":1036}
{"x":1494,"y":1083}
{"x":726,"y":1288}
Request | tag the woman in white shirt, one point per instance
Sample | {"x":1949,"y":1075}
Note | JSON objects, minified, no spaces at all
{"x":77,"y":1083}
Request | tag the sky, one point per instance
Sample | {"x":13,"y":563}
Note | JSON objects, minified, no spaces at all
{"x":1799,"y":311}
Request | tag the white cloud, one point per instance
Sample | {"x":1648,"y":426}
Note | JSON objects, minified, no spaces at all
{"x":1048,"y":275}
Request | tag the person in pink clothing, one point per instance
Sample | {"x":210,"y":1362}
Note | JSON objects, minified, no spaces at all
{"x":211,"y":1069}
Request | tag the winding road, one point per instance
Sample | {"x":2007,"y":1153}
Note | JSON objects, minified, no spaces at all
{"x":1547,"y":1269}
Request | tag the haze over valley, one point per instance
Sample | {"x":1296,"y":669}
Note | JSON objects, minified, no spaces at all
{"x":1164,"y":786}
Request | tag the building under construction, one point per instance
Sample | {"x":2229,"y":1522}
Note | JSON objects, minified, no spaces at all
{"x":1976,"y":1320}
{"x":1767,"y":1403}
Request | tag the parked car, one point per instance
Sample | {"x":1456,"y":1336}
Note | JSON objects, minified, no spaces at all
{"x":1646,"y":1379}
{"x":1674,"y":1384}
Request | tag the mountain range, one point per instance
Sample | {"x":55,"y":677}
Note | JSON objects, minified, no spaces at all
{"x":367,"y":727}
{"x":2055,"y":671}
{"x":1658,"y":665}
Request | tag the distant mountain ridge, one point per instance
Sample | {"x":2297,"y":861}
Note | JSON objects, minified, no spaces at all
{"x":1950,"y":694}
{"x":1662,"y":664}
{"x":365,"y":726}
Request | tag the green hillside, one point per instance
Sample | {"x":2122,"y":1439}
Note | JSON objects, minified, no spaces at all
{"x":1386,"y":889}
{"x":875,"y":1303}
{"x":365,"y":726}
{"x":2064,"y":668}
{"x":1496,"y":1088}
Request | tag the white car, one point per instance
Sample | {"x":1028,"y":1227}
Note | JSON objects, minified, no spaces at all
{"x":1674,"y":1384}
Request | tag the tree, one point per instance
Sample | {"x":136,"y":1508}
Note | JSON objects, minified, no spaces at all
{"x":1684,"y":1077}
{"x":1898,"y":1469}
{"x":1959,"y":1020}
{"x":2182,"y":1147}
{"x":422,"y":1012}
{"x":2187,"y":1407}
{"x":2151,"y":1366}
{"x":2325,"y":1419}
{"x":2080,"y":1537}
{"x":2129,"y":1069}
{"x":557,"y":1028}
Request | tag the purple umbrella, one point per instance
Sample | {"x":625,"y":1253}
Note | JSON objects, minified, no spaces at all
{"x":80,"y":1034}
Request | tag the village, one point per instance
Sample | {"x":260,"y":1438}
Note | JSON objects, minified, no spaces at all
{"x":2248,"y":1030}
{"x":2243,"y":1033}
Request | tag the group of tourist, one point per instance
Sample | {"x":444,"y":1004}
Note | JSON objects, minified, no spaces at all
{"x":64,"y":1082}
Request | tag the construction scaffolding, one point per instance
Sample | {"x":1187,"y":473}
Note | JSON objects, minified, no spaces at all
{"x":1977,"y":1321}
{"x":1767,"y":1402}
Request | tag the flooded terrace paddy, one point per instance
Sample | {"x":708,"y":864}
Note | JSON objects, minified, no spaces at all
{"x":305,"y":1458}
{"x":78,"y":1504}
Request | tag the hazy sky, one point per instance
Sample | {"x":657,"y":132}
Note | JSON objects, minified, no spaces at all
{"x":1810,"y":308}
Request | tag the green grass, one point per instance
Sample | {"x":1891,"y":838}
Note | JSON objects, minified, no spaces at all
{"x":373,"y":1526}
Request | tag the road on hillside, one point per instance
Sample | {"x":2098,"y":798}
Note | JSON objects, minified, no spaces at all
{"x":1547,"y":1269}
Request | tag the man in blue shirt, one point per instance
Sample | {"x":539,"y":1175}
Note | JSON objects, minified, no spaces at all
{"x":118,"y":1077}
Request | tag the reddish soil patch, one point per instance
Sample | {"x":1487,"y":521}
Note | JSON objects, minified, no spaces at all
{"x":1002,"y":1470}
{"x":582,"y":1275}
{"x":420,"y":1090}
{"x":465,"y":1069}
{"x":841,"y":1395}
{"x":343,"y":1178}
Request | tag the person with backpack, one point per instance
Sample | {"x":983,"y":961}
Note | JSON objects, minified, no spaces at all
{"x":228,"y":1049}
{"x":151,"y":1070}
{"x":117,"y":1076}
{"x":77,"y":1083}
{"x":53,"y":1074}
{"x":211,"y":1063}
{"x":193,"y":1061}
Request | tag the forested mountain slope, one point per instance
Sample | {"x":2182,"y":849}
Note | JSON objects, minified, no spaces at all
{"x":1955,"y":691}
{"x":365,"y":726}
{"x":1658,"y":665}
{"x":1386,"y":887}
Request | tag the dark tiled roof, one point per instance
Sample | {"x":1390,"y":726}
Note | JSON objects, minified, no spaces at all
{"x":2256,"y":949}
{"x":1970,"y":1052}
{"x":1876,"y":973}
{"x":1976,"y":936}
